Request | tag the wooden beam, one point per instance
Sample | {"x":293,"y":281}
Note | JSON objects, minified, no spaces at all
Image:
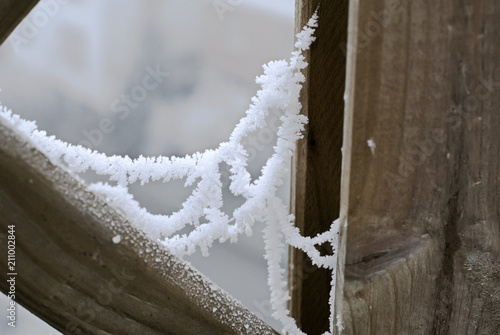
{"x":315,"y":195}
{"x":73,"y":275}
{"x":421,"y":183}
{"x":12,"y":12}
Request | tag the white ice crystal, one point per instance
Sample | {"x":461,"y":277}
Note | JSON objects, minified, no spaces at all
{"x":371,"y":144}
{"x":281,"y":85}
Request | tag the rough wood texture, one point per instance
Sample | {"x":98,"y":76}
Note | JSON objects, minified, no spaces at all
{"x":72,"y":275}
{"x":11,"y":14}
{"x":423,"y":235}
{"x":315,"y":196}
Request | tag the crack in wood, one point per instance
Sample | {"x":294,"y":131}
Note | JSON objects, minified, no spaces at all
{"x":444,"y":286}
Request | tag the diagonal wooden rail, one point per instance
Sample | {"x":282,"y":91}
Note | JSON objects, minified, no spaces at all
{"x":420,"y":192}
{"x":11,"y":14}
{"x":72,"y":274}
{"x":81,"y":266}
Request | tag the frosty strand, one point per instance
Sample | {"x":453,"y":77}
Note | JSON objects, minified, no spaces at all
{"x":281,"y":84}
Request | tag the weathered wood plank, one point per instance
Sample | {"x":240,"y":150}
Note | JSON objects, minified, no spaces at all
{"x":315,"y":195}
{"x":72,"y":275}
{"x":12,"y":12}
{"x":423,"y":237}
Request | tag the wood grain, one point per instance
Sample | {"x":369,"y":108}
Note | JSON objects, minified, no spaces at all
{"x":422,"y":251}
{"x":315,"y":195}
{"x":72,"y":275}
{"x":12,"y":12}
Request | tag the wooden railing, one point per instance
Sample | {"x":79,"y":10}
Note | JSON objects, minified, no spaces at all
{"x":420,"y":193}
{"x":70,"y":270}
{"x":72,"y":274}
{"x":421,"y":173}
{"x":11,"y":14}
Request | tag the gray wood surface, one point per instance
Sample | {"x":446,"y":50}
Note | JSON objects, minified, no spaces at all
{"x":11,"y":14}
{"x":423,"y":237}
{"x":71,"y":274}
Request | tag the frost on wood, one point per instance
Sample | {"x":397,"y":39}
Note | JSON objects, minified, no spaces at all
{"x":371,"y":144}
{"x":281,"y":85}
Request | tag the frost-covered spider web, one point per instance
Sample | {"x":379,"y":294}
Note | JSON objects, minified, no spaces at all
{"x":202,"y":210}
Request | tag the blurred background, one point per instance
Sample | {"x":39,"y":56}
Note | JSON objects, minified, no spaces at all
{"x":155,"y":77}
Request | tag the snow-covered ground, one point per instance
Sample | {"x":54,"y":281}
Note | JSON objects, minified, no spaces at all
{"x":76,"y":68}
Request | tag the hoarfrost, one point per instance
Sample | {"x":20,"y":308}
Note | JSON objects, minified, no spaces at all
{"x":371,"y":145}
{"x":280,"y":87}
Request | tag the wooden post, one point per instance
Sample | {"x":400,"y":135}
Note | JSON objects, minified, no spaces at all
{"x":315,"y":195}
{"x":11,"y":14}
{"x":421,"y":180}
{"x":84,"y":269}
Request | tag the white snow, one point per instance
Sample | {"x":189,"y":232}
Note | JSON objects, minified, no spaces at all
{"x":339,"y":324}
{"x":371,"y":145}
{"x":280,"y":87}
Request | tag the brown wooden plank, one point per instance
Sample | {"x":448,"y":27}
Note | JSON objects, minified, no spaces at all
{"x":12,"y":12}
{"x":71,"y":274}
{"x":315,"y":195}
{"x":423,"y":237}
